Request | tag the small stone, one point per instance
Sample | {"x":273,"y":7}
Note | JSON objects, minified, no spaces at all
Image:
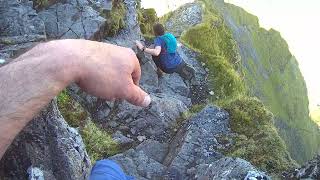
{"x":207,"y":69}
{"x":211,"y":93}
{"x":141,"y":138}
{"x":175,"y":129}
{"x":203,"y":64}
{"x":2,"y":61}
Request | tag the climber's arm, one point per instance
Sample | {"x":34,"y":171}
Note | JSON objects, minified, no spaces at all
{"x":33,"y":79}
{"x":154,"y":52}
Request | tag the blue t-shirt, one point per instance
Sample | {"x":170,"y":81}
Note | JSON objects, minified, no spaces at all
{"x":168,"y":60}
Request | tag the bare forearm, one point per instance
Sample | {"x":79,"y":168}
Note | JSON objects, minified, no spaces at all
{"x":26,"y":86}
{"x":153,"y":52}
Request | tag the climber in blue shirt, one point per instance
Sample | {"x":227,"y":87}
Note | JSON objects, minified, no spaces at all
{"x":165,"y":55}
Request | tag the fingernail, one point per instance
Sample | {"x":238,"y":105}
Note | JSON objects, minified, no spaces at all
{"x":146,"y":101}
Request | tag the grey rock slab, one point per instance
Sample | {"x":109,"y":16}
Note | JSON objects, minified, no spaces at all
{"x":228,"y":168}
{"x":194,"y":143}
{"x":185,"y":17}
{"x":20,"y":27}
{"x":49,"y":144}
{"x":138,"y":164}
{"x":72,"y":20}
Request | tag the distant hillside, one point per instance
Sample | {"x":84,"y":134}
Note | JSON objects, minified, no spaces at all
{"x":272,"y":74}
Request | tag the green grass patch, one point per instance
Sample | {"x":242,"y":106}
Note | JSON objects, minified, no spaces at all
{"x":115,"y":18}
{"x":147,"y":18}
{"x":257,"y":141}
{"x":98,"y":142}
{"x":72,"y":112}
{"x":218,"y":51}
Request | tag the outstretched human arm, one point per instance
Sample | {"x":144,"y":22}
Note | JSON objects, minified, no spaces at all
{"x":155,"y":52}
{"x":34,"y":78}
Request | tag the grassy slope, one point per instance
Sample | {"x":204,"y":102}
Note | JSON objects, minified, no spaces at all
{"x":257,"y":140}
{"x":283,"y":90}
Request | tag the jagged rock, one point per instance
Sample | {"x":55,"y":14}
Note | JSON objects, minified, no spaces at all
{"x":185,"y":17}
{"x":172,"y":84}
{"x":154,"y":149}
{"x":49,"y":144}
{"x":228,"y":168}
{"x":154,"y":122}
{"x":121,"y":139}
{"x":35,"y":173}
{"x":311,"y":170}
{"x":101,"y":5}
{"x":139,"y":165}
{"x":20,"y":27}
{"x":198,"y":85}
{"x":193,"y":152}
{"x":73,"y":19}
{"x":195,"y":144}
{"x":131,"y":32}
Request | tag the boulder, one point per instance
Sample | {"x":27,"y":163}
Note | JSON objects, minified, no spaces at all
{"x":48,"y":143}
{"x":310,"y":170}
{"x":185,"y":17}
{"x":74,"y":20}
{"x":20,"y":27}
{"x":229,"y":168}
{"x":193,"y":153}
{"x":195,"y":142}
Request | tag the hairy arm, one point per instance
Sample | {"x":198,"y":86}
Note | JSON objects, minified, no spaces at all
{"x":33,"y":79}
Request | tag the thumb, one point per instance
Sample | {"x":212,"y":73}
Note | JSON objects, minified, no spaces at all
{"x":137,"y":96}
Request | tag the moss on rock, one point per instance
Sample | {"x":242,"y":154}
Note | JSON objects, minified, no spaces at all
{"x":98,"y":141}
{"x":218,"y":52}
{"x":147,"y":18}
{"x":72,"y":112}
{"x":115,"y":18}
{"x":258,"y":140}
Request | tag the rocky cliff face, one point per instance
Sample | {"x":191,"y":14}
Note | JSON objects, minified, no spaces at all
{"x":155,"y":141}
{"x":310,"y":170}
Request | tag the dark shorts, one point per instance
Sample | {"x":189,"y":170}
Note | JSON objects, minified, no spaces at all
{"x":183,"y":69}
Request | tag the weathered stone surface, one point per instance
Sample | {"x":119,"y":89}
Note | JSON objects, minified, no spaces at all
{"x":49,"y":144}
{"x":35,"y":173}
{"x":139,"y":165}
{"x":73,"y":19}
{"x":195,"y":143}
{"x":131,"y":32}
{"x":311,"y":170}
{"x":101,"y":5}
{"x":185,"y":17}
{"x":228,"y":168}
{"x":193,"y":153}
{"x":20,"y":27}
{"x":121,"y":139}
{"x":154,"y":122}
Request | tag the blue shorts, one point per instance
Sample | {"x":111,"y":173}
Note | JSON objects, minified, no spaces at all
{"x":108,"y":170}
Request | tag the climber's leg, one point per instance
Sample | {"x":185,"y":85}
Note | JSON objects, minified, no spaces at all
{"x":185,"y":71}
{"x":156,"y":60}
